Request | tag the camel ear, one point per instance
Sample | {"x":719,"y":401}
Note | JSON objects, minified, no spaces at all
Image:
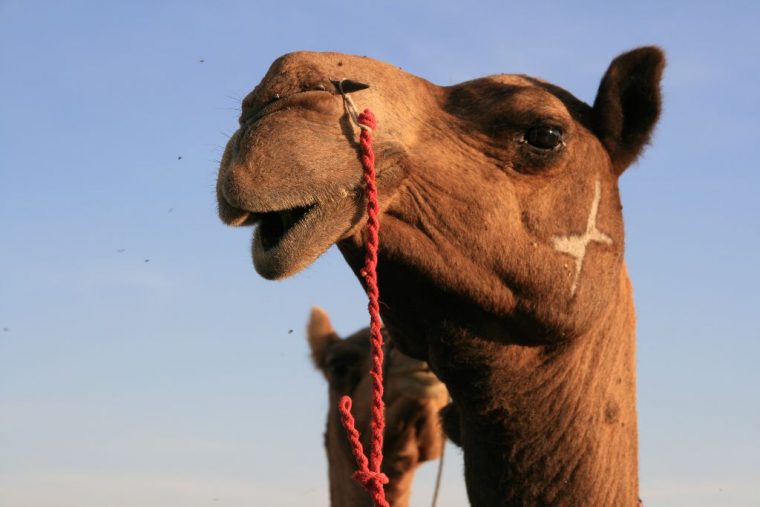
{"x":628,"y":104}
{"x":321,"y":335}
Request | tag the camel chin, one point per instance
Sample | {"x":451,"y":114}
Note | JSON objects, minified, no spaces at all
{"x":286,"y":242}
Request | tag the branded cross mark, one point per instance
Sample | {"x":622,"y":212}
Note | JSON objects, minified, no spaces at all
{"x":577,"y":244}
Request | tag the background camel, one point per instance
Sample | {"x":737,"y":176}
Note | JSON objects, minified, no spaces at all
{"x":501,"y":256}
{"x":413,"y":397}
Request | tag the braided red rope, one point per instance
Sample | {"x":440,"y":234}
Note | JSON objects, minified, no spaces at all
{"x":368,"y":473}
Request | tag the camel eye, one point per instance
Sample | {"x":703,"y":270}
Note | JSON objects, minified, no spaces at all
{"x":344,"y":372}
{"x":340,"y":367}
{"x":544,"y":137}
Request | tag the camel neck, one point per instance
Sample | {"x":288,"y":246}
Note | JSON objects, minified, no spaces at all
{"x":551,"y":424}
{"x":344,"y":491}
{"x":548,"y":421}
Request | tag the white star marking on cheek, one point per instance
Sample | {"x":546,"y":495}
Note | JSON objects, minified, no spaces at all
{"x":576,"y":244}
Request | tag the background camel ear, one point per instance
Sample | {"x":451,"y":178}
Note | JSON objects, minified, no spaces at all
{"x":627,"y":104}
{"x":321,"y":335}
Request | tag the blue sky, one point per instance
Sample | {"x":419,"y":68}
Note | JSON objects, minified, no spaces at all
{"x":143,"y":362}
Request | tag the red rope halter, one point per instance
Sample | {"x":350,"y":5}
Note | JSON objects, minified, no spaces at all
{"x":368,"y":473}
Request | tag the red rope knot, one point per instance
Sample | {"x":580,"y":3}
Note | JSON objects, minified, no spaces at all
{"x":367,"y":474}
{"x":369,"y":479}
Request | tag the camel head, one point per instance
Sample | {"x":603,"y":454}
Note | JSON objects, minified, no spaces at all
{"x":502,"y":191}
{"x":413,"y":398}
{"x":501,"y":250}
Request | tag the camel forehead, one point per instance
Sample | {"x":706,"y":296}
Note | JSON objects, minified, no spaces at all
{"x":517,"y":94}
{"x":340,"y":63}
{"x":517,"y":80}
{"x":303,"y":69}
{"x":356,"y":345}
{"x":328,"y":58}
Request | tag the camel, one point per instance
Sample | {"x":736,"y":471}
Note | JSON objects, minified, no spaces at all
{"x":413,"y":395}
{"x":501,"y":249}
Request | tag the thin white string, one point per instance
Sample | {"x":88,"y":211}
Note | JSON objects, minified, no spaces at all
{"x":439,"y":475}
{"x":351,"y":108}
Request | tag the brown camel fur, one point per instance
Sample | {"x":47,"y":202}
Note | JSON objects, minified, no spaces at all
{"x":413,"y":397}
{"x":501,"y":249}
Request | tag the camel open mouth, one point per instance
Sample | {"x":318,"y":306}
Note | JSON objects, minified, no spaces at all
{"x":286,"y":229}
{"x":274,"y":226}
{"x":287,"y":240}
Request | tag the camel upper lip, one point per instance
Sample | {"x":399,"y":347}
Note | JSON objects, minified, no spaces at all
{"x":250,"y":214}
{"x":335,"y":88}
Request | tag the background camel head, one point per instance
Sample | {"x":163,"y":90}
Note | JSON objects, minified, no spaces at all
{"x":413,"y":399}
{"x":501,"y":190}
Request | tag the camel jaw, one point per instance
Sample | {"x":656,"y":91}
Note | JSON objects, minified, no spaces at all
{"x":287,"y":241}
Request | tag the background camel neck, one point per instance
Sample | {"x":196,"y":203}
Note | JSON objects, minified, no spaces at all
{"x":345,"y":492}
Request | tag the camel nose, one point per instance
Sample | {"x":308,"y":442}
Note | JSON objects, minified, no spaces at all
{"x":235,"y":184}
{"x":229,"y":187}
